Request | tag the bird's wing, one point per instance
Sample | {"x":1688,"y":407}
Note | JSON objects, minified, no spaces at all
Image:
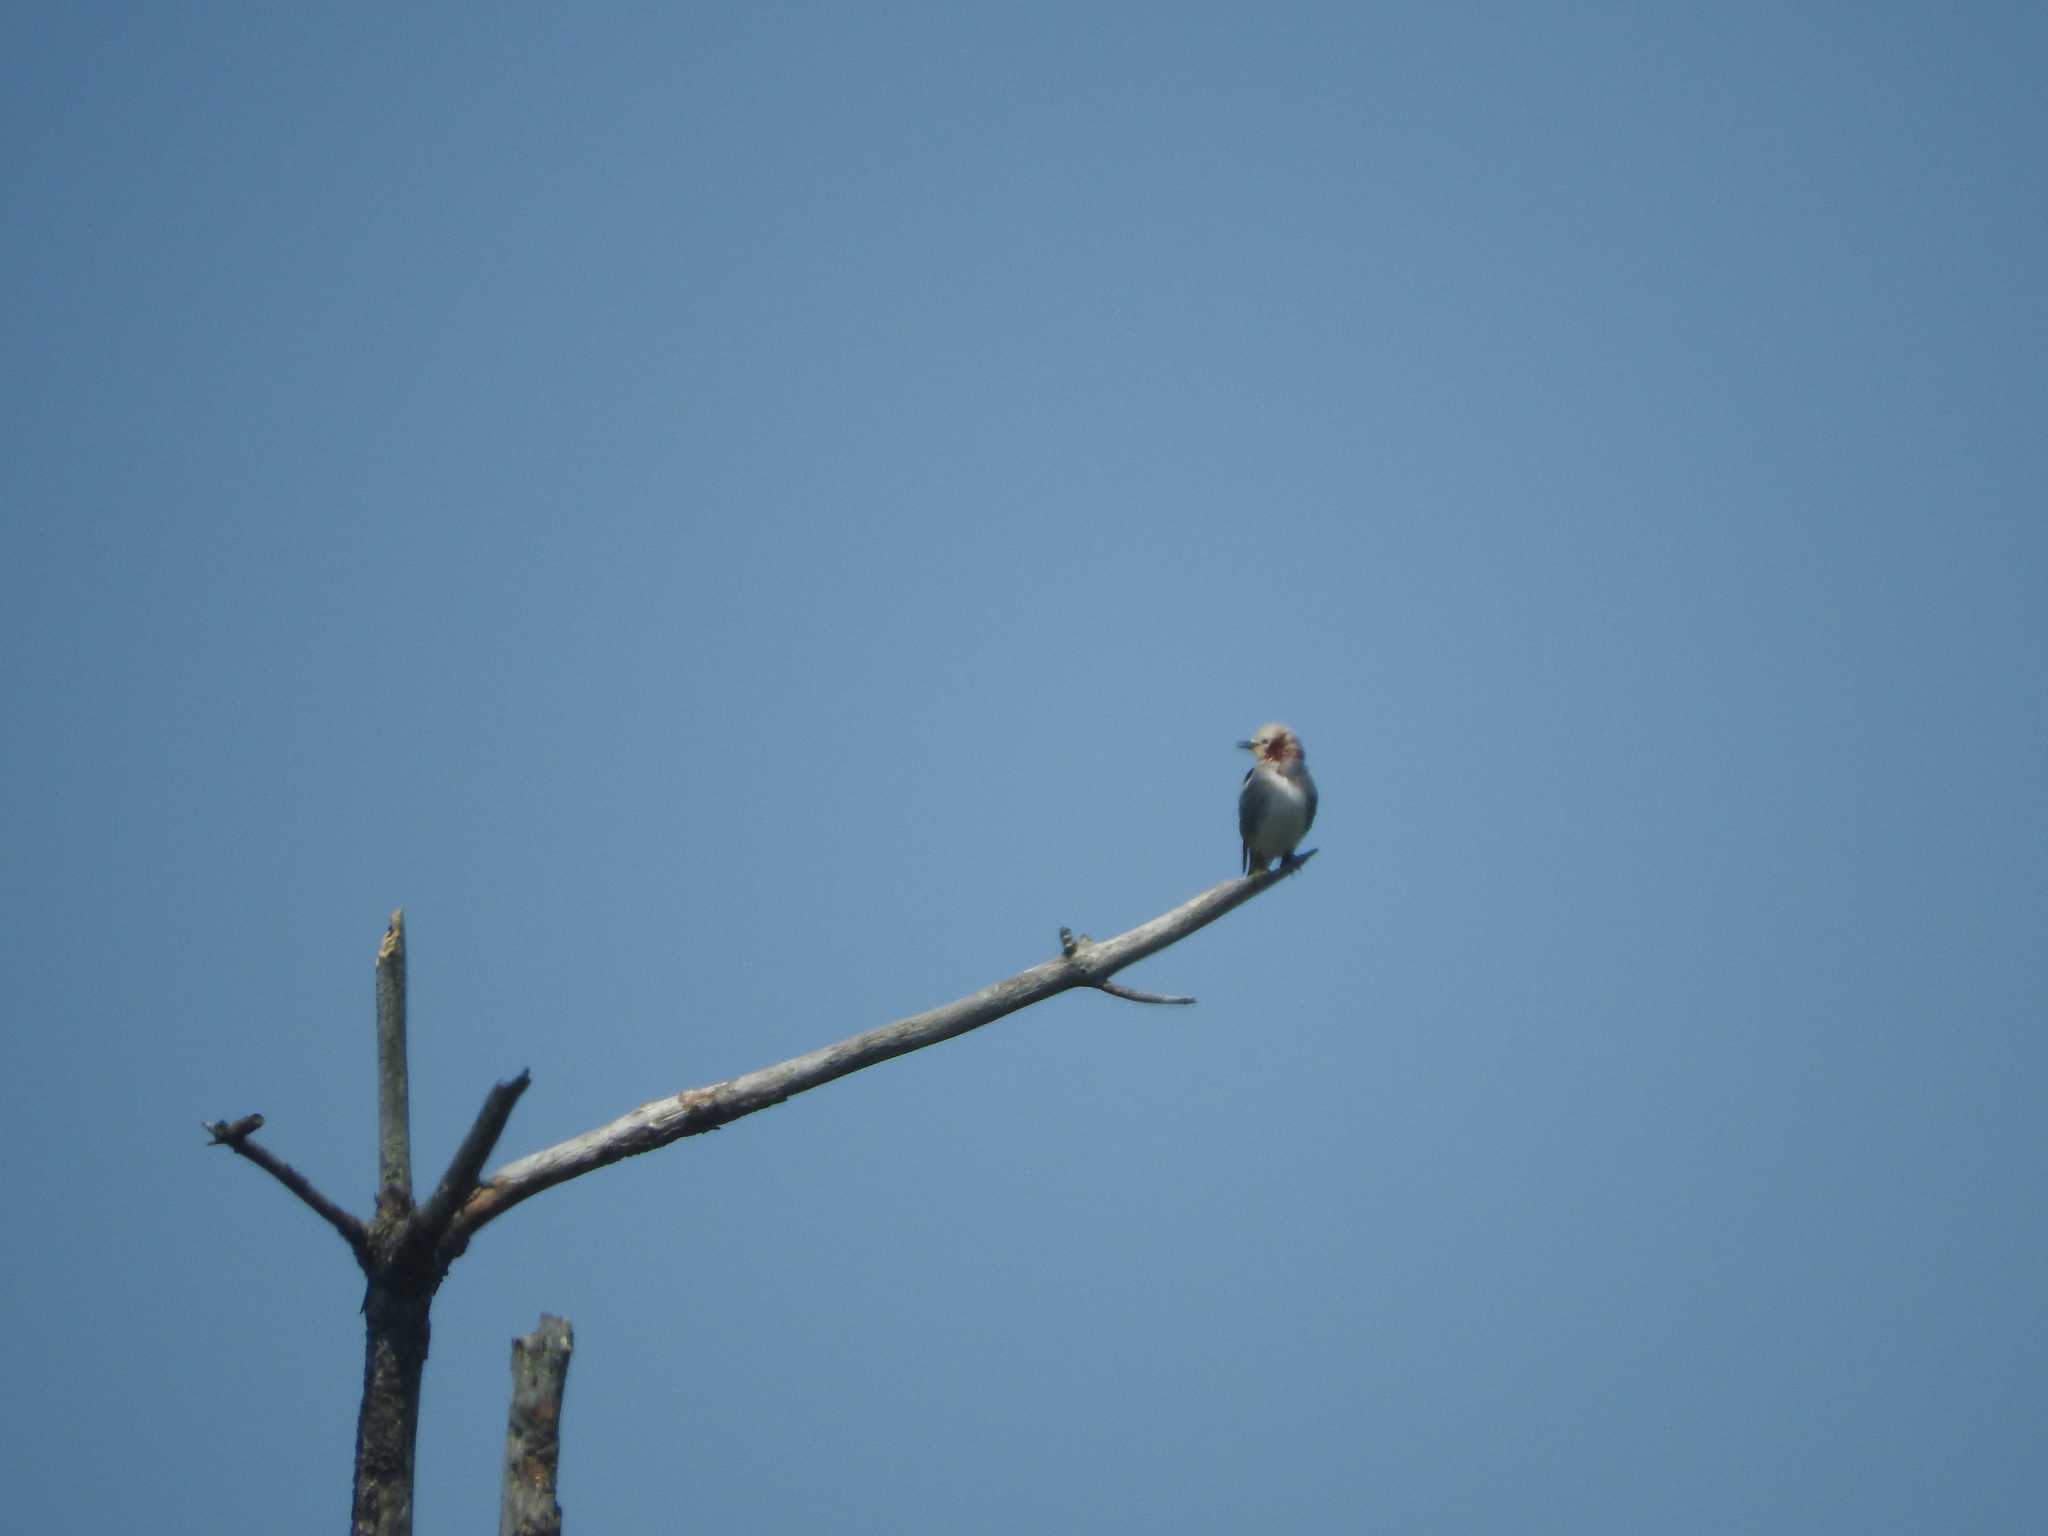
{"x":1251,"y":801}
{"x":1308,"y":789}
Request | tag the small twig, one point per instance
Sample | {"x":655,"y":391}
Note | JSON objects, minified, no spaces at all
{"x":1133,"y":995}
{"x":394,"y":1091}
{"x":1072,"y":944}
{"x":430,"y":1222}
{"x":235,"y":1137}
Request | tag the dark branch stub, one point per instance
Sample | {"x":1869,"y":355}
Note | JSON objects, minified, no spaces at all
{"x":429,"y":1224}
{"x":235,"y":1136}
{"x":226,"y":1133}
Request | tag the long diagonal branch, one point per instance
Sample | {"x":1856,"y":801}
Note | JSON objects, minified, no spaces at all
{"x":1084,"y":963}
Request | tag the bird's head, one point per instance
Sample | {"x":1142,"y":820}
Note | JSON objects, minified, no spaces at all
{"x":1274,"y":744}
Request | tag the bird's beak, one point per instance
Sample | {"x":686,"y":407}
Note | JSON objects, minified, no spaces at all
{"x":1246,"y":745}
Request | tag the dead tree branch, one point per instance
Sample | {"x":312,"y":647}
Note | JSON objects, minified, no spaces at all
{"x":1083,"y":963}
{"x":235,"y":1137}
{"x":429,"y":1224}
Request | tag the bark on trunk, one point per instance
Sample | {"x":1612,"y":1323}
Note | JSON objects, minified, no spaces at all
{"x":533,"y":1434}
{"x":387,"y":1427}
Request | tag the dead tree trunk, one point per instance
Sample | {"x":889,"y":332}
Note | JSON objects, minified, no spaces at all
{"x":388,"y":1423}
{"x":405,"y":1250}
{"x":533,"y":1433}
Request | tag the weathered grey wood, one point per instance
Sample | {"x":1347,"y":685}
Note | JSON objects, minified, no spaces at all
{"x":394,"y":1091}
{"x":1070,"y":944}
{"x":694,"y":1111}
{"x":533,"y":1432}
{"x":405,"y":1252}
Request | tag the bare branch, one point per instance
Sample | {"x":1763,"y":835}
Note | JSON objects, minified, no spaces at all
{"x":533,"y":1434}
{"x":394,"y":1114}
{"x":235,"y":1137}
{"x":430,"y":1222}
{"x":696,"y":1110}
{"x":1133,"y":995}
{"x":1071,"y":944}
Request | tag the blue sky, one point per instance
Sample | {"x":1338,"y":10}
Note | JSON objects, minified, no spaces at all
{"x":745,"y":520}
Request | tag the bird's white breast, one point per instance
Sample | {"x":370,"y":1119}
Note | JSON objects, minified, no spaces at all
{"x":1283,"y":818}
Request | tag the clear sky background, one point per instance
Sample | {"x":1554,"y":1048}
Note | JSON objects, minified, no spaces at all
{"x":744,"y":520}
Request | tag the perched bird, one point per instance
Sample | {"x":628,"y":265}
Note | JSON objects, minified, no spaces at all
{"x":1277,"y":805}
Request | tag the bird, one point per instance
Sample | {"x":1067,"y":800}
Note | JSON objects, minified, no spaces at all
{"x":1277,"y":805}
